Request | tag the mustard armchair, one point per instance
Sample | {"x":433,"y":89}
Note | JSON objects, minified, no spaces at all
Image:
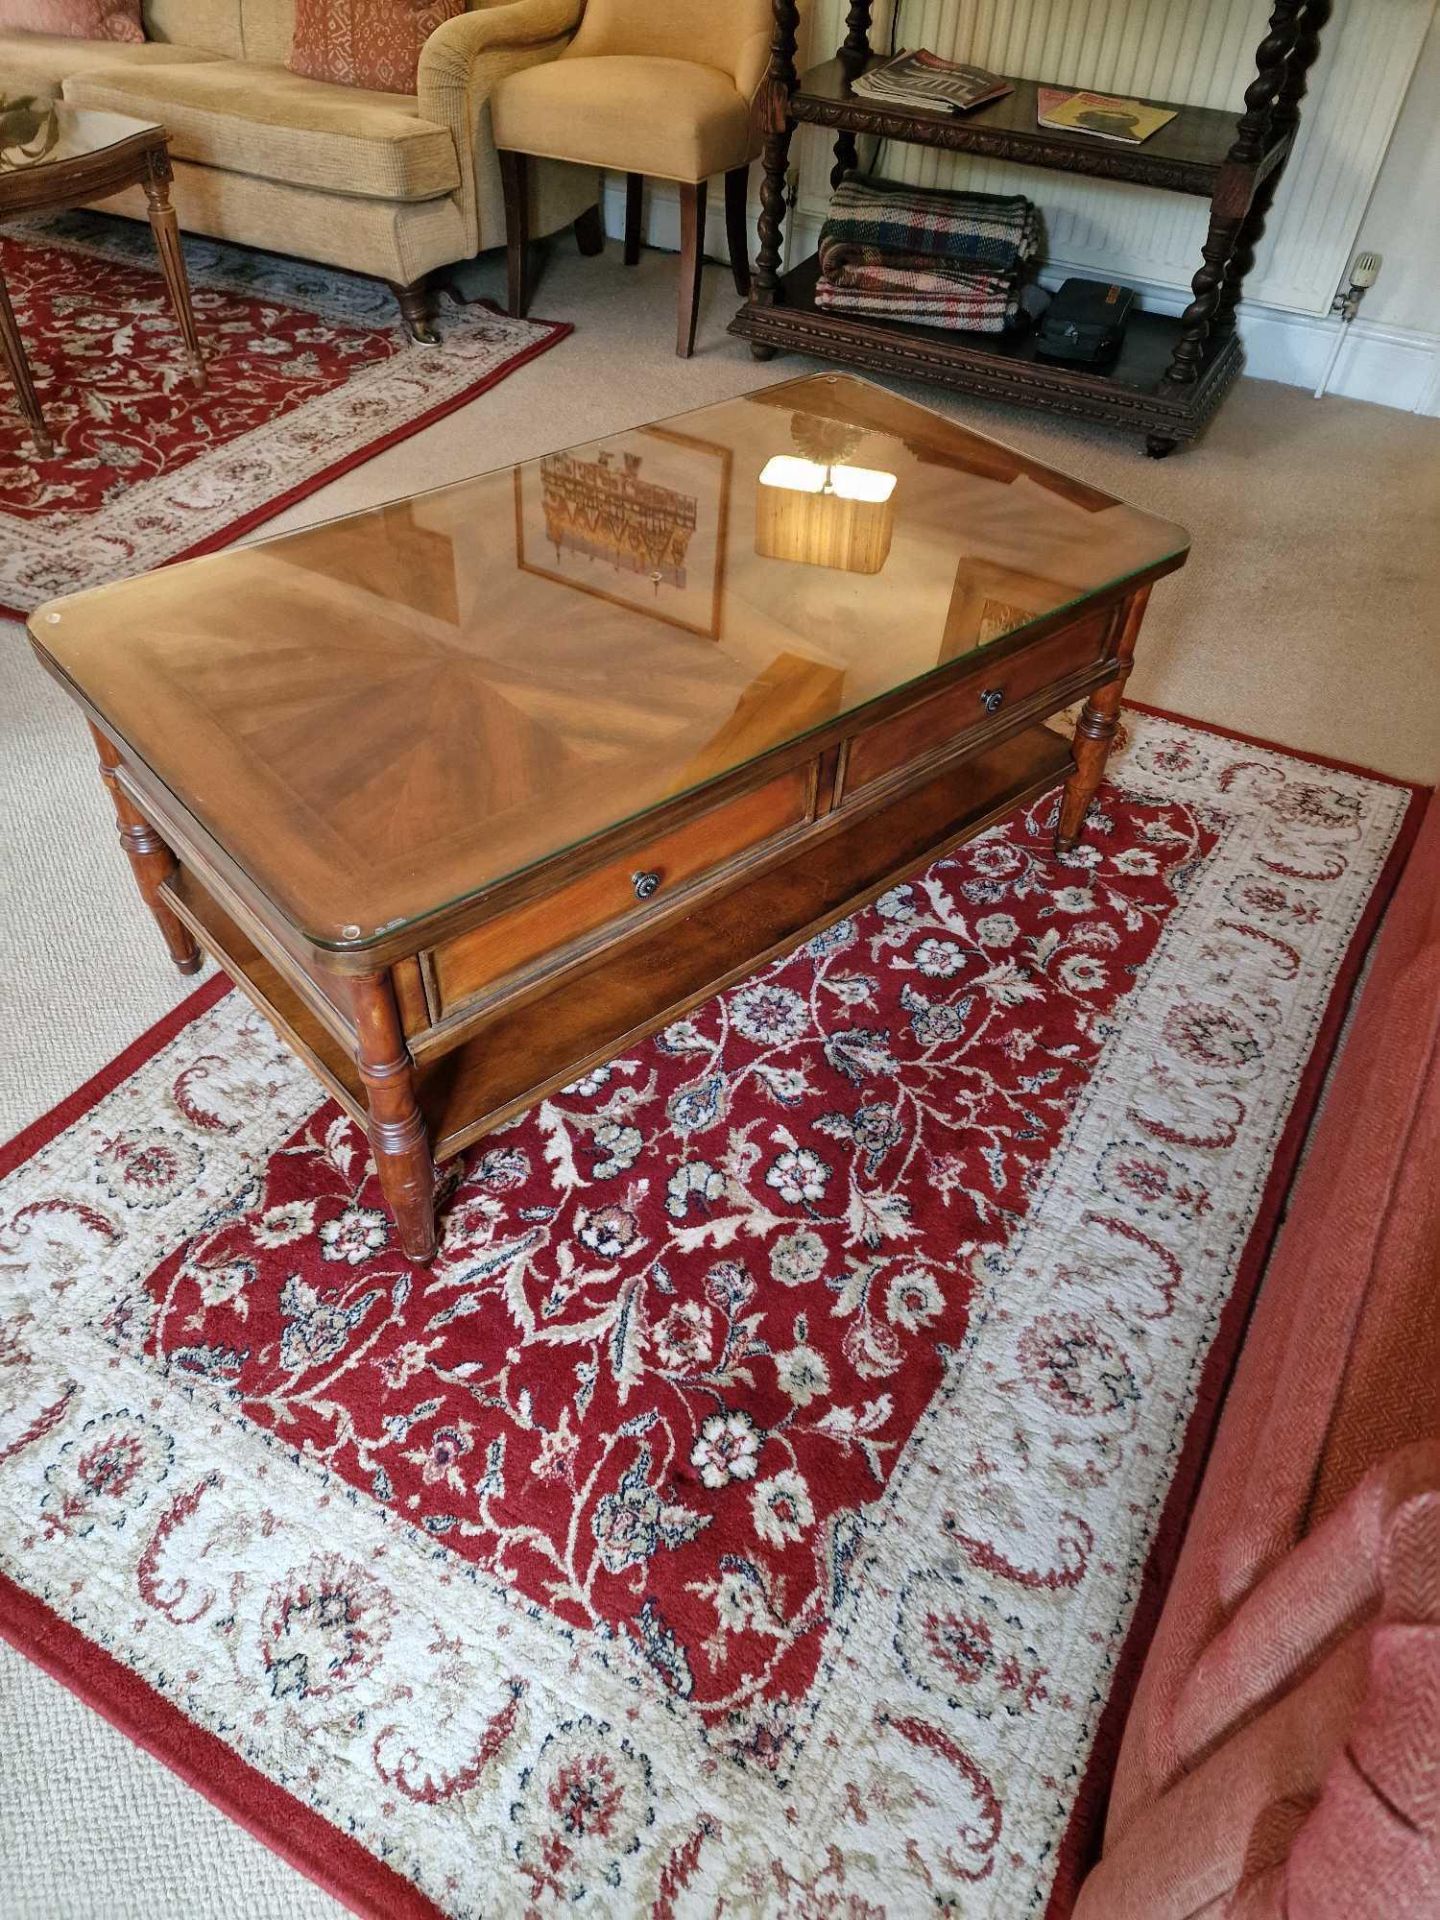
{"x":658,"y":89}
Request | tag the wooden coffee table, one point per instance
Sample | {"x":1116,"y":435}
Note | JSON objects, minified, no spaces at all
{"x":95,"y":155}
{"x":473,"y":791}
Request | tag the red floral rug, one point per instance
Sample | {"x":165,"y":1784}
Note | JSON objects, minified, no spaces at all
{"x":748,"y":1510}
{"x":308,"y":372}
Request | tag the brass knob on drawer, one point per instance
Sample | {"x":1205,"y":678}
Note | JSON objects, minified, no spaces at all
{"x":993,"y":699}
{"x":646,"y":885}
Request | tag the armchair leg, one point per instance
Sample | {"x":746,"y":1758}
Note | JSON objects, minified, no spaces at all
{"x":692,"y":263}
{"x":634,"y":216}
{"x":737,"y":227}
{"x":590,"y":233}
{"x":417,"y":306}
{"x":515,"y":178}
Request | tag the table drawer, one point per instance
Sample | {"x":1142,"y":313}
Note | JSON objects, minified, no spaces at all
{"x":969,"y":703}
{"x":622,"y":889}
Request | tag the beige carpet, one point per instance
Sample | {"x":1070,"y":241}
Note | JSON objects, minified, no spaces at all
{"x":1307,"y":614}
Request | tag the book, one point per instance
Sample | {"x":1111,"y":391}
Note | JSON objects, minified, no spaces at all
{"x":923,"y":79}
{"x":1101,"y":114}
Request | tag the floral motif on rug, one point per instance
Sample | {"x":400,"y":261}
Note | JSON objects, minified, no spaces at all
{"x":748,"y":1507}
{"x":308,"y":372}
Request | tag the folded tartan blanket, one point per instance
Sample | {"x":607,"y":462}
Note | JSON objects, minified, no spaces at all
{"x":874,"y":223}
{"x":970,"y":302}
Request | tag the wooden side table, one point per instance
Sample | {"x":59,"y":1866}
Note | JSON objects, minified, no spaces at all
{"x":97,"y":154}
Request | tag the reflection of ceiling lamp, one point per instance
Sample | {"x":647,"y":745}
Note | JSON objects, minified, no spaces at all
{"x":825,"y":515}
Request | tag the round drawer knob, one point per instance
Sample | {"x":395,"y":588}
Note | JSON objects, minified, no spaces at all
{"x":993,"y":699}
{"x":646,"y":885}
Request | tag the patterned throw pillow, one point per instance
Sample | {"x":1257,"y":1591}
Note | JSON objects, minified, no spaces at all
{"x":76,"y":19}
{"x":365,"y":43}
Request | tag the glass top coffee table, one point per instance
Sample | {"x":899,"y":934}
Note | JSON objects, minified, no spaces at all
{"x":53,"y":156}
{"x":471,"y":791}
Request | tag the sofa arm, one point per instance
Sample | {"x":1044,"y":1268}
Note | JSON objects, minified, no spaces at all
{"x":1326,"y":1587}
{"x":461,"y":64}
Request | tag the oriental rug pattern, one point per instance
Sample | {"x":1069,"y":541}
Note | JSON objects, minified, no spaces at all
{"x":309,"y":372}
{"x":748,"y":1509}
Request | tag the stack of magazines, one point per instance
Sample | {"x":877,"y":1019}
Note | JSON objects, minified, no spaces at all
{"x":925,"y":80}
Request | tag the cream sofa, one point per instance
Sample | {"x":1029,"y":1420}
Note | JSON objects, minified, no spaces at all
{"x":382,"y":183}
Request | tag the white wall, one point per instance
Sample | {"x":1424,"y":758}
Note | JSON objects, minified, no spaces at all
{"x":1402,"y":221}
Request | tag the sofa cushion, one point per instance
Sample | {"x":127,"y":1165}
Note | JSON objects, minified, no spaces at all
{"x":606,"y":113}
{"x":110,"y":20}
{"x":365,"y":43}
{"x":280,"y":126}
{"x":213,"y":25}
{"x":41,"y":62}
{"x":269,"y":28}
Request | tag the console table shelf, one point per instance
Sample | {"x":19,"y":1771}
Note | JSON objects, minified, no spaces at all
{"x":1171,"y":373}
{"x":1187,"y":155}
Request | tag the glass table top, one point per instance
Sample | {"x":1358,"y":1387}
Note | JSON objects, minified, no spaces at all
{"x":387,"y":714}
{"x":35,"y":132}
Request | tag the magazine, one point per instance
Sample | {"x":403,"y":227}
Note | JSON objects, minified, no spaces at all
{"x":1101,"y":114}
{"x":923,"y":79}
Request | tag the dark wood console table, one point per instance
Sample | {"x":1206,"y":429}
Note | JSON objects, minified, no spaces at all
{"x":1172,"y":372}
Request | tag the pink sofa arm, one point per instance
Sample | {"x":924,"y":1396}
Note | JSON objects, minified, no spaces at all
{"x":1324,"y":1804}
{"x":1324,"y":1589}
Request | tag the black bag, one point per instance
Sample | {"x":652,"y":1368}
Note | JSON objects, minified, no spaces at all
{"x":1085,"y":322}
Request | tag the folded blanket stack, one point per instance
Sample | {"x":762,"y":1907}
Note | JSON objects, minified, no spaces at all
{"x":942,"y":259}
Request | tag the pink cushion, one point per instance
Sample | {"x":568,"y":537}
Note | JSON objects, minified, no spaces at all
{"x":365,"y":43}
{"x":76,"y":19}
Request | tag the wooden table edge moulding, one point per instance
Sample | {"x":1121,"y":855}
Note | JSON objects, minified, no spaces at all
{"x":141,"y":158}
{"x":427,"y":1061}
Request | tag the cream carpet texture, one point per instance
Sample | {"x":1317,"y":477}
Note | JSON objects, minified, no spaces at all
{"x":1307,"y":615}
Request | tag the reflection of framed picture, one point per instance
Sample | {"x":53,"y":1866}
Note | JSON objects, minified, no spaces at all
{"x":639,"y":520}
{"x":989,"y":600}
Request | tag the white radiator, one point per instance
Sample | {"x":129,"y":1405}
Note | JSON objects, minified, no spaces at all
{"x":1201,"y":52}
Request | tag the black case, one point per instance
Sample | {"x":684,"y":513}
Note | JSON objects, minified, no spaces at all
{"x":1085,"y":322}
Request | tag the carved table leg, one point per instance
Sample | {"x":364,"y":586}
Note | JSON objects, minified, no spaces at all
{"x":765,"y":280}
{"x":780,"y":81}
{"x":847,"y":159}
{"x":1096,"y":730}
{"x":397,"y":1127}
{"x":166,"y":230}
{"x":151,"y":860}
{"x":12,"y":350}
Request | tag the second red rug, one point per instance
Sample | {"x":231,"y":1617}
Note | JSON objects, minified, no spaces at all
{"x":308,"y":372}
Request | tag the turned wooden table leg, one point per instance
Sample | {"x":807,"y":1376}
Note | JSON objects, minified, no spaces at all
{"x":12,"y":350}
{"x":1096,"y":730}
{"x":398,"y":1136}
{"x":151,"y":861}
{"x":166,"y":229}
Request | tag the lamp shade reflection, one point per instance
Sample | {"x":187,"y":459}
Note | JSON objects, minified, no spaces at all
{"x":825,"y":516}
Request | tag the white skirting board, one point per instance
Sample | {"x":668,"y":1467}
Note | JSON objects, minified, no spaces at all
{"x":1391,"y":366}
